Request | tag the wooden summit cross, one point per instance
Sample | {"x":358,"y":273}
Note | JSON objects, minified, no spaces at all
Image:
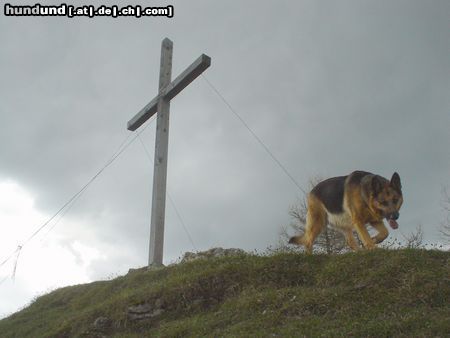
{"x":161,"y":104}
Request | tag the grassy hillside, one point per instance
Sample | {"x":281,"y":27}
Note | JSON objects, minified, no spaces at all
{"x":404,"y":293}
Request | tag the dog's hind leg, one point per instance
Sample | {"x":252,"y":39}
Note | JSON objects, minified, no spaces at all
{"x":316,"y":220}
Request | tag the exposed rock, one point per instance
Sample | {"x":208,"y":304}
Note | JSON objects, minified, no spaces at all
{"x":102,"y":323}
{"x":214,"y":252}
{"x":133,"y":270}
{"x":99,"y":329}
{"x":191,"y":256}
{"x":145,"y":311}
{"x":153,"y":267}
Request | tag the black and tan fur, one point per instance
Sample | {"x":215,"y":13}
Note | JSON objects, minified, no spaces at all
{"x":350,"y":203}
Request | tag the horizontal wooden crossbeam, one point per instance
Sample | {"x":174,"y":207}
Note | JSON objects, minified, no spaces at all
{"x":170,"y":91}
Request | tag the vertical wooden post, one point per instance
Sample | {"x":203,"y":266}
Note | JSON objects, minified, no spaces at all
{"x":161,"y":151}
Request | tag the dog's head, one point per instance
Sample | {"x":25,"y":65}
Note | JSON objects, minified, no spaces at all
{"x":387,"y":197}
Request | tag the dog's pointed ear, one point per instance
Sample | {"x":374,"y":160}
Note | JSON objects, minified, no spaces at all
{"x":377,"y":185}
{"x":395,"y":182}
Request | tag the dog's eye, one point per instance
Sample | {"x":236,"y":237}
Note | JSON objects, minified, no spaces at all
{"x":384,"y":203}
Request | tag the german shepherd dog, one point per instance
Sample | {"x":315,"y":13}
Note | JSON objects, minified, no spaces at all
{"x":350,"y":203}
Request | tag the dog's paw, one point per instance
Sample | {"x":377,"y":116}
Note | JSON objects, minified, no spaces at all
{"x":376,"y":240}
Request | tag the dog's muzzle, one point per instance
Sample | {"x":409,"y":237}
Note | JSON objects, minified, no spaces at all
{"x":392,"y":219}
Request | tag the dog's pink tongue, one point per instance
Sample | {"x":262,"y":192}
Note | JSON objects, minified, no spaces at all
{"x":393,"y":224}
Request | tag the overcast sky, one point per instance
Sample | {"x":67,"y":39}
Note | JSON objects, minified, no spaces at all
{"x":329,"y":87}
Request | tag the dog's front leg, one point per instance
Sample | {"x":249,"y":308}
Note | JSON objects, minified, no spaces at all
{"x":350,"y":240}
{"x":382,"y":232}
{"x":363,"y":234}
